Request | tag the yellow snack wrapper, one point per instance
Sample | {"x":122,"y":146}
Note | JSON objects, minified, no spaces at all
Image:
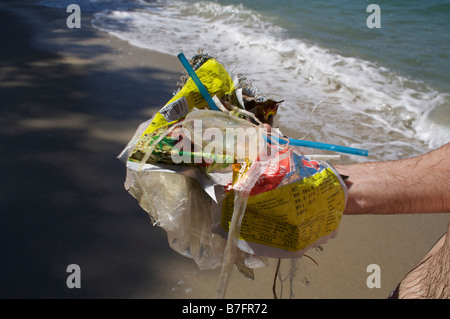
{"x":214,"y":77}
{"x":293,"y":216}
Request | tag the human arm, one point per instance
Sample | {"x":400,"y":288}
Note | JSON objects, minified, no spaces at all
{"x":418,"y":184}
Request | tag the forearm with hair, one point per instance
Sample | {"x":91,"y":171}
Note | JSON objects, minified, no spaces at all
{"x":414,"y":185}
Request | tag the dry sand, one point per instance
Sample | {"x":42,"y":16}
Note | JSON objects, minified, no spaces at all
{"x":70,"y":101}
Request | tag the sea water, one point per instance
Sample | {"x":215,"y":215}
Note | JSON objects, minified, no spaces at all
{"x":382,"y":89}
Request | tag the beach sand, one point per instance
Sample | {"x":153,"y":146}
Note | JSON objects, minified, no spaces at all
{"x":70,"y":101}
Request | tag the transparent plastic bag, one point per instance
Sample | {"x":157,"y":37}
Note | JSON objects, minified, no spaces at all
{"x":178,"y":204}
{"x":229,"y":136}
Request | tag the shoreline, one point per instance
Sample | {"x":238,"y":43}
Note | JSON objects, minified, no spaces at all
{"x":74,"y":99}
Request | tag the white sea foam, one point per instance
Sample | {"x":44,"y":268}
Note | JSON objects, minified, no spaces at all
{"x":363,"y":104}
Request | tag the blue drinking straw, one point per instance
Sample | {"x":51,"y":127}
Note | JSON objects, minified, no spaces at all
{"x":323,"y":146}
{"x":198,"y":83}
{"x":317,"y":145}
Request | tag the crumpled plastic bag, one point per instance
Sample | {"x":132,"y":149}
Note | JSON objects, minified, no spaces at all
{"x":178,"y":204}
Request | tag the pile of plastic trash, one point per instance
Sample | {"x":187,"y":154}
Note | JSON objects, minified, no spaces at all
{"x":226,"y":187}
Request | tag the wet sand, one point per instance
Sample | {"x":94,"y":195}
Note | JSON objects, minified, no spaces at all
{"x":71,"y":99}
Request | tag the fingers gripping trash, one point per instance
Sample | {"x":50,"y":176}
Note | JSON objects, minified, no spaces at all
{"x":225,"y":189}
